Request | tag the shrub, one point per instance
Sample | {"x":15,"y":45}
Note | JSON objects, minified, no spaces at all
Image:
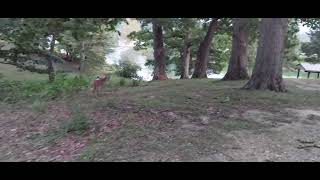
{"x":13,"y":91}
{"x":122,"y":82}
{"x":136,"y":82}
{"x":128,"y":69}
{"x":39,"y":106}
{"x":79,"y":124}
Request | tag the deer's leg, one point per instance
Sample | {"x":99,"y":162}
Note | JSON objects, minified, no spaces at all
{"x":96,"y":92}
{"x":99,"y":89}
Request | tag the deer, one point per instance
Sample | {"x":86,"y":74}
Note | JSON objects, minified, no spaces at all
{"x":98,"y":83}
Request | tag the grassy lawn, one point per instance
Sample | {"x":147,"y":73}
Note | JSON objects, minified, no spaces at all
{"x":174,"y":120}
{"x":10,"y":72}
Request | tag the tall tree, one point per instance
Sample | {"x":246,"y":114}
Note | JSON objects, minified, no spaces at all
{"x":201,"y":65}
{"x":267,"y":73}
{"x":159,"y":72}
{"x":42,"y":36}
{"x":237,"y":69}
{"x":182,"y":37}
{"x":186,"y":56}
{"x":49,"y":27}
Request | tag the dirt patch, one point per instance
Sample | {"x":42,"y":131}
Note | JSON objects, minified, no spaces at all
{"x":282,"y":142}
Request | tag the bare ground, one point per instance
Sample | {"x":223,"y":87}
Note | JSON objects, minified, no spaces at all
{"x":185,"y":120}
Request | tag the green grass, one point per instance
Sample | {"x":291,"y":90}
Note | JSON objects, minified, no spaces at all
{"x":116,"y":81}
{"x":10,"y":72}
{"x":78,"y":124}
{"x":239,"y":124}
{"x":187,"y":99}
{"x":89,"y":154}
{"x":192,"y":98}
{"x":14,"y":91}
{"x":39,"y":106}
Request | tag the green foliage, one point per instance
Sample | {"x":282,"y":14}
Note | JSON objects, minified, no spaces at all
{"x":122,"y":82}
{"x":114,"y":82}
{"x":39,"y":106}
{"x":136,"y":82}
{"x":221,"y":51}
{"x":89,"y":154}
{"x":78,"y":125}
{"x":313,"y":23}
{"x":35,"y":35}
{"x":291,"y":51}
{"x":14,"y":91}
{"x":175,"y":32}
{"x":312,"y":49}
{"x":128,"y":69}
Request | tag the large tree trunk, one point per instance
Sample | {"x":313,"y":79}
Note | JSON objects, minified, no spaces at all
{"x":50,"y":65}
{"x":267,"y":72}
{"x":200,"y":70}
{"x":159,"y":72}
{"x":237,"y":69}
{"x":185,"y":58}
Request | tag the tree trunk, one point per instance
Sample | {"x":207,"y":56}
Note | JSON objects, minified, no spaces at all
{"x":159,"y":72}
{"x":50,"y":65}
{"x":267,"y":72}
{"x":201,"y":65}
{"x":83,"y":62}
{"x":186,"y":56}
{"x":237,"y":69}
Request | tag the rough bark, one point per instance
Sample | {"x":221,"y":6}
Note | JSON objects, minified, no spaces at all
{"x":267,"y":72}
{"x":159,"y":72}
{"x":237,"y":69}
{"x":186,"y":56}
{"x":83,"y":63}
{"x":50,"y":65}
{"x":201,"y":65}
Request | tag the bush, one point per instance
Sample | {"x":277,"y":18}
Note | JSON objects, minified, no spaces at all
{"x":136,"y":82}
{"x":39,"y":106}
{"x":13,"y":91}
{"x":79,"y":124}
{"x":122,"y":82}
{"x":128,"y":69}
{"x":117,"y":81}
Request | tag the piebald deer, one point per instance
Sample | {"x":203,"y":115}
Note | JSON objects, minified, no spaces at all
{"x":99,"y":83}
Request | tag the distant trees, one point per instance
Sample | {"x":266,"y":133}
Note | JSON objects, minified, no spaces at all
{"x":42,"y":35}
{"x":192,"y":45}
{"x":182,"y":39}
{"x":312,"y":48}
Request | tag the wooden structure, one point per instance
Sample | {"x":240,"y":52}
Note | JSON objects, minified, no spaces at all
{"x":309,"y":68}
